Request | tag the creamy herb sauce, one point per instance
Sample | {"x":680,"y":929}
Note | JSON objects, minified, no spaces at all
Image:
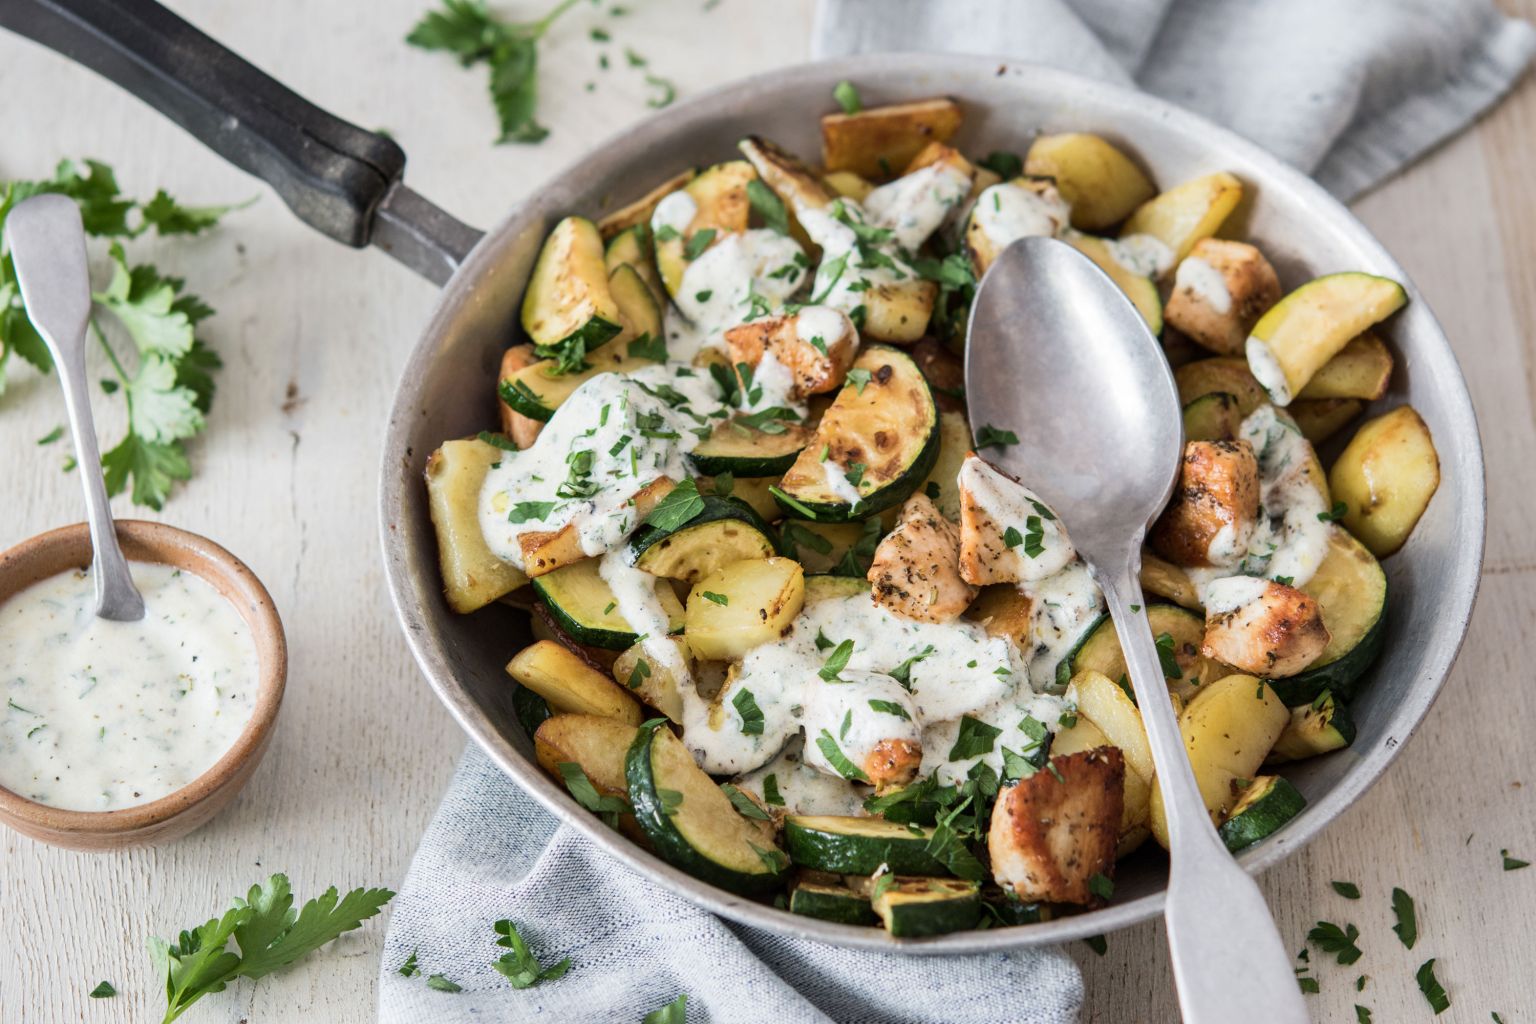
{"x":1267,"y":371}
{"x":803,"y":789}
{"x":741,"y":277}
{"x":1007,"y":212}
{"x":1205,"y":283}
{"x":103,"y":715}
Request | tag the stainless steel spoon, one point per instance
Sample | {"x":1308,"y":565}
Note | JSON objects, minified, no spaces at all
{"x":1057,"y":354}
{"x":48,"y":245}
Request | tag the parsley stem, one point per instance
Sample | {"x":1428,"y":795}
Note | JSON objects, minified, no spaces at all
{"x":538,"y":28}
{"x":117,"y":366}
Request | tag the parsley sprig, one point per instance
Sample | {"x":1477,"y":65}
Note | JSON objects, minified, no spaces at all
{"x":168,"y":383}
{"x":268,"y":933}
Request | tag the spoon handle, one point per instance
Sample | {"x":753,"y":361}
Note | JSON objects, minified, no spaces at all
{"x":48,"y":244}
{"x":1228,"y":961}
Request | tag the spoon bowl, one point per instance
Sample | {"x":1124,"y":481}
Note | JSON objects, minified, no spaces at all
{"x":1058,"y":318}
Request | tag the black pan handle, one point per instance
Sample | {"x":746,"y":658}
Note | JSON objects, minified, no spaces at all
{"x":341,"y":180}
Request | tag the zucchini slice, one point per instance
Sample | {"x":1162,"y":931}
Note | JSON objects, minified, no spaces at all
{"x":822,"y":587}
{"x":745,"y":451}
{"x":1010,"y":910}
{"x":830,"y":903}
{"x":1213,"y":417}
{"x":692,"y":822}
{"x":632,"y":248}
{"x":1314,"y":323}
{"x":584,"y":606}
{"x":885,"y":421}
{"x":1319,"y":728}
{"x":1351,"y":590}
{"x":858,"y":846}
{"x":725,"y":531}
{"x":1100,"y":651}
{"x":720,"y":204}
{"x":1267,"y":804}
{"x":914,"y":907}
{"x":568,"y":300}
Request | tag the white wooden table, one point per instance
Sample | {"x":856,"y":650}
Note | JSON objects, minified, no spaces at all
{"x":312,"y":336}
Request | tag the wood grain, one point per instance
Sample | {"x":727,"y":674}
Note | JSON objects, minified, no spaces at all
{"x":312,"y":336}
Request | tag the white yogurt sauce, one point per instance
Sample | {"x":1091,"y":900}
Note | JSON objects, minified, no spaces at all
{"x":634,"y":591}
{"x":824,"y":322}
{"x":1205,"y":283}
{"x":104,"y":715}
{"x":773,"y":386}
{"x":1267,"y":371}
{"x":803,"y":789}
{"x":839,"y":484}
{"x":844,"y":711}
{"x":675,"y":212}
{"x":1232,"y":592}
{"x":1009,"y":212}
{"x":1141,"y":254}
{"x":957,"y":669}
{"x":1007,"y":716}
{"x":1062,"y":609}
{"x":740,"y":274}
{"x":607,"y":441}
{"x":1012,"y":505}
{"x":914,"y":205}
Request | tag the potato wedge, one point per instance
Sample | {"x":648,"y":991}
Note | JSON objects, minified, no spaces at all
{"x":1104,"y":704}
{"x":878,"y":142}
{"x":1102,"y":184}
{"x":473,"y":577}
{"x":1222,"y":375}
{"x":1228,"y":730}
{"x":639,"y":211}
{"x":762,"y":597}
{"x":1003,"y":611}
{"x":1311,"y":325}
{"x":1385,"y":477}
{"x":1362,"y":369}
{"x":595,"y":743}
{"x":1164,"y":579}
{"x":720,"y":205}
{"x":1186,"y":213}
{"x":570,"y":685}
{"x":1318,"y":419}
{"x":651,"y":680}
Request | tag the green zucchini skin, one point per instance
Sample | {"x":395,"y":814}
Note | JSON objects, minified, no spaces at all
{"x":1212,"y":417}
{"x":811,"y":844}
{"x":716,"y":510}
{"x":1319,"y":728}
{"x":576,"y":621}
{"x":651,"y":815}
{"x":1012,"y":911}
{"x":912,"y":909}
{"x":765,"y":454}
{"x":831,"y":903}
{"x":1260,"y":815}
{"x":1341,"y":677}
{"x":875,"y":502}
{"x":531,"y":709}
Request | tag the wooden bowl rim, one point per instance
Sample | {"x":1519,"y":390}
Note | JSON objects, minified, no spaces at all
{"x":58,"y":550}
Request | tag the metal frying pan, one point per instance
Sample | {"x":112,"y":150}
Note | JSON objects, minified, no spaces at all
{"x":347,"y":183}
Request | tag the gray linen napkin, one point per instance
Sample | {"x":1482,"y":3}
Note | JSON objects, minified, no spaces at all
{"x":1350,"y":90}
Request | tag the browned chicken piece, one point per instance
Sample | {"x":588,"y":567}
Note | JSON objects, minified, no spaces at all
{"x":1277,"y":632}
{"x":1220,"y":290}
{"x":916,"y":570}
{"x":993,"y":508}
{"x":1214,"y":506}
{"x":544,"y":551}
{"x":1056,"y":829}
{"x":944,"y":372}
{"x":893,"y":763}
{"x":523,"y":430}
{"x":817,"y":345}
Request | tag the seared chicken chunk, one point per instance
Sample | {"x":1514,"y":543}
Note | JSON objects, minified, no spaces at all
{"x":1007,"y":534}
{"x":893,"y":763}
{"x":1056,"y":829}
{"x":1263,"y":627}
{"x":916,"y":570}
{"x":1219,"y":292}
{"x":523,"y":430}
{"x":816,"y":345}
{"x":1214,"y":506}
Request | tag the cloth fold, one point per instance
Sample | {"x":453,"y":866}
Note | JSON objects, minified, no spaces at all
{"x":1349,"y":92}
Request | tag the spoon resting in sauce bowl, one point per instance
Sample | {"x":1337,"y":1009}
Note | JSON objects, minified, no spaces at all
{"x":1059,"y":356}
{"x":48,"y":247}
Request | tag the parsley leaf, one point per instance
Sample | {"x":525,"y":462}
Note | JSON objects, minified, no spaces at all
{"x":890,"y":707}
{"x":1330,"y":938}
{"x":697,"y":243}
{"x":469,"y":31}
{"x":680,"y":505}
{"x":1101,"y":886}
{"x":154,"y":467}
{"x":607,"y":807}
{"x":675,"y":1012}
{"x":847,"y":96}
{"x":1166,"y":658}
{"x":836,"y":662}
{"x":1349,"y":890}
{"x":648,"y":347}
{"x":771,"y":793}
{"x":974,"y":739}
{"x":768,"y":206}
{"x":745,"y":806}
{"x":903,"y":673}
{"x":720,"y":599}
{"x":443,"y":983}
{"x":1339,"y":511}
{"x":268,"y":932}
{"x":1005,"y":165}
{"x":520,"y":967}
{"x":1512,"y":863}
{"x":858,"y":377}
{"x":409,"y":969}
{"x":991,"y":437}
{"x":1407,"y":926}
{"x":1434,"y":993}
{"x":103,"y":991}
{"x":837,"y":759}
{"x":751,"y":715}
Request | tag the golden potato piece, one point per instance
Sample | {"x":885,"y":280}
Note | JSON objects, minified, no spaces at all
{"x":1102,"y":184}
{"x":1055,"y":830}
{"x":1318,"y":419}
{"x":639,"y":211}
{"x":1219,"y":292}
{"x":1187,"y":213}
{"x":915,"y":573}
{"x":473,"y":576}
{"x":569,"y":684}
{"x":1002,"y":610}
{"x":763,"y":596}
{"x":1385,"y":478}
{"x":816,"y":345}
{"x":848,"y":185}
{"x":878,"y":142}
{"x":1263,"y":627}
{"x":1214,"y":506}
{"x":1362,"y":369}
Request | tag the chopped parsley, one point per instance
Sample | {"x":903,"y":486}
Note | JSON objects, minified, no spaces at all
{"x":697,"y":243}
{"x":745,"y":805}
{"x":1407,"y":926}
{"x":903,"y":673}
{"x":858,"y":377}
{"x":1434,"y":992}
{"x":520,"y":967}
{"x":837,"y":759}
{"x":1340,"y":942}
{"x":680,"y":506}
{"x":1165,"y":657}
{"x":768,"y":206}
{"x":1034,"y":537}
{"x":974,"y":739}
{"x":607,"y":807}
{"x":991,"y":437}
{"x":1005,"y":165}
{"x":836,"y":662}
{"x":639,"y":674}
{"x":103,"y":991}
{"x":1101,"y":886}
{"x":720,"y":599}
{"x":847,"y":96}
{"x":1012,"y":537}
{"x":1512,"y":863}
{"x":751,"y":715}
{"x":1339,"y":511}
{"x":890,"y":707}
{"x":771,"y":795}
{"x":497,"y":441}
{"x":1349,"y":890}
{"x":649,"y":347}
{"x":530,"y":511}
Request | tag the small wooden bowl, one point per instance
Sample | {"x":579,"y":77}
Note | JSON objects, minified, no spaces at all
{"x":189,"y":807}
